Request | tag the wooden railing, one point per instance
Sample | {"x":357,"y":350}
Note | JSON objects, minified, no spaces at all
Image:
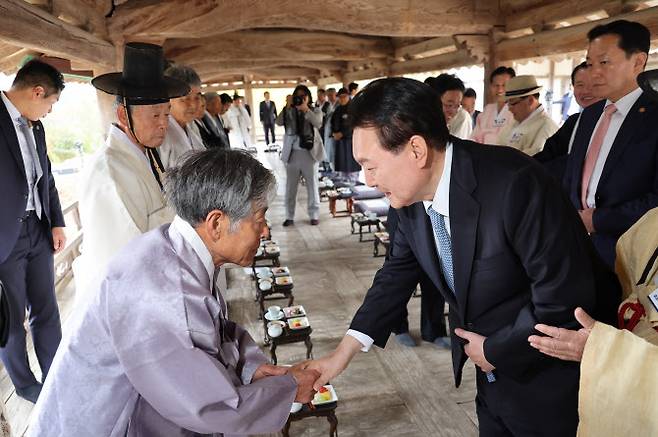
{"x":64,"y":259}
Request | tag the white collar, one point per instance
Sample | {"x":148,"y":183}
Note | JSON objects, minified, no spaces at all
{"x":14,"y":113}
{"x":192,"y":238}
{"x":119,"y":135}
{"x":625,"y":104}
{"x":535,"y":113}
{"x":173,"y":124}
{"x":441,"y":201}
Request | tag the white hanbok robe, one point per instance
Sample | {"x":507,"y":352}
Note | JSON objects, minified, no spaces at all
{"x":119,"y":200}
{"x":461,"y":124}
{"x":240,"y":124}
{"x":154,"y":355}
{"x":529,"y":135}
{"x":178,"y":142}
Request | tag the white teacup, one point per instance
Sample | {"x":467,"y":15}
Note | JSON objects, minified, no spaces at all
{"x":274,"y":329}
{"x":274,"y":310}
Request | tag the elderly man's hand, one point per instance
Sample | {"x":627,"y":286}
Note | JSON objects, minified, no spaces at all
{"x":305,"y":379}
{"x":587,"y":216}
{"x":475,"y":349}
{"x":268,"y":370}
{"x":561,"y":343}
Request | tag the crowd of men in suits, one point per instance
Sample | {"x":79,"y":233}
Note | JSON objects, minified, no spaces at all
{"x":513,"y":244}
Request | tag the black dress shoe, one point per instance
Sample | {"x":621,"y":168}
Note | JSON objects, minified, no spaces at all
{"x":315,"y":222}
{"x":288,"y":222}
{"x":30,"y":393}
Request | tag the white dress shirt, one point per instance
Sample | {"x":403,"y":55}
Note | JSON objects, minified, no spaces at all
{"x":624,"y":106}
{"x":28,"y":162}
{"x":441,"y":204}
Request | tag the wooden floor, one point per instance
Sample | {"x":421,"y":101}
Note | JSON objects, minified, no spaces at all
{"x":397,"y":391}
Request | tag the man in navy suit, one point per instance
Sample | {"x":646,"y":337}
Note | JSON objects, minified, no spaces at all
{"x":267,"y":117}
{"x":31,"y":223}
{"x":499,"y":239}
{"x":612,"y":170}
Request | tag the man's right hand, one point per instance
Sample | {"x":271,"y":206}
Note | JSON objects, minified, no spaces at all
{"x":305,"y":379}
{"x":333,"y":364}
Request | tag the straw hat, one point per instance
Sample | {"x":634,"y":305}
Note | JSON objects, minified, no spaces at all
{"x":521,"y":86}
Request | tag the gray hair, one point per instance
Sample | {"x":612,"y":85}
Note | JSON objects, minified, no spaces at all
{"x":210,"y":96}
{"x":184,"y":73}
{"x":231,"y":181}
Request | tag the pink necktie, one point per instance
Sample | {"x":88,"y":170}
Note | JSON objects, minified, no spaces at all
{"x":594,"y":149}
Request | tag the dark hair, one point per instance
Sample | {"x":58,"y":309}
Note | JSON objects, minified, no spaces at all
{"x":500,"y":71}
{"x":321,"y":90}
{"x":470,"y":92}
{"x":331,"y":90}
{"x":353,"y":86}
{"x":448,"y":82}
{"x":399,"y":108}
{"x":581,"y":66}
{"x":306,"y":91}
{"x":633,"y":37}
{"x":225,"y":98}
{"x":342,"y":91}
{"x":38,"y":73}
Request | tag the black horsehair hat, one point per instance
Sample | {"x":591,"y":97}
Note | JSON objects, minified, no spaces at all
{"x":142,"y":81}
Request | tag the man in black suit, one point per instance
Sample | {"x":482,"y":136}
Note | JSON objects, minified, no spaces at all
{"x":498,"y":238}
{"x":554,"y":154}
{"x":267,"y":117}
{"x":31,"y":223}
{"x":215,"y":107}
{"x":612,"y":170}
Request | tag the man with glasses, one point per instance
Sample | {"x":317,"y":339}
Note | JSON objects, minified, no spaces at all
{"x":532,"y":126}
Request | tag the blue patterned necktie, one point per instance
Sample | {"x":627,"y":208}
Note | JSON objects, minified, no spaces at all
{"x":445,"y":246}
{"x":445,"y":251}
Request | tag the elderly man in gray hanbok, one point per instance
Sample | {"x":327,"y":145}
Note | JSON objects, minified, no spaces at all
{"x":153,"y":353}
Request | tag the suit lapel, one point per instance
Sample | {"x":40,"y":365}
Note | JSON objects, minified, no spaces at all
{"x":635,"y":117}
{"x":9,"y":131}
{"x":464,"y":216}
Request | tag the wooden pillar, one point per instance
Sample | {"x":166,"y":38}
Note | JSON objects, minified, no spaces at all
{"x":105,"y":100}
{"x":551,"y":87}
{"x":490,"y":64}
{"x":249,"y":97}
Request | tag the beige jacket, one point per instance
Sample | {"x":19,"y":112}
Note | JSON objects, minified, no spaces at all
{"x":619,"y":380}
{"x":530,"y":135}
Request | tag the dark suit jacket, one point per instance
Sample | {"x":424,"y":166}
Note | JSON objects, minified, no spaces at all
{"x":521,"y":256}
{"x":210,"y":134}
{"x":13,"y":184}
{"x":554,"y":154}
{"x":267,"y":115}
{"x":628,"y":187}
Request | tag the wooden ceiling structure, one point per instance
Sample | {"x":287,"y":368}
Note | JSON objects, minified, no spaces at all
{"x":270,"y":43}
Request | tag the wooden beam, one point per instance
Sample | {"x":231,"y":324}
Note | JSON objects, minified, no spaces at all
{"x":446,"y":43}
{"x":254,"y":84}
{"x":281,"y":73}
{"x":567,"y":39}
{"x":277,"y":45}
{"x":28,"y":26}
{"x":89,"y":16}
{"x":202,"y":18}
{"x":10,"y":64}
{"x":459,"y":58}
{"x":556,"y":11}
{"x":247,"y":65}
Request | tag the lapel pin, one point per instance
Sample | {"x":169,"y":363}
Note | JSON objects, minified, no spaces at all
{"x":642,"y":109}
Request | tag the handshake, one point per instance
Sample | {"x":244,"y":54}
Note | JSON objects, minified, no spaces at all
{"x":304,"y":376}
{"x":312,"y":375}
